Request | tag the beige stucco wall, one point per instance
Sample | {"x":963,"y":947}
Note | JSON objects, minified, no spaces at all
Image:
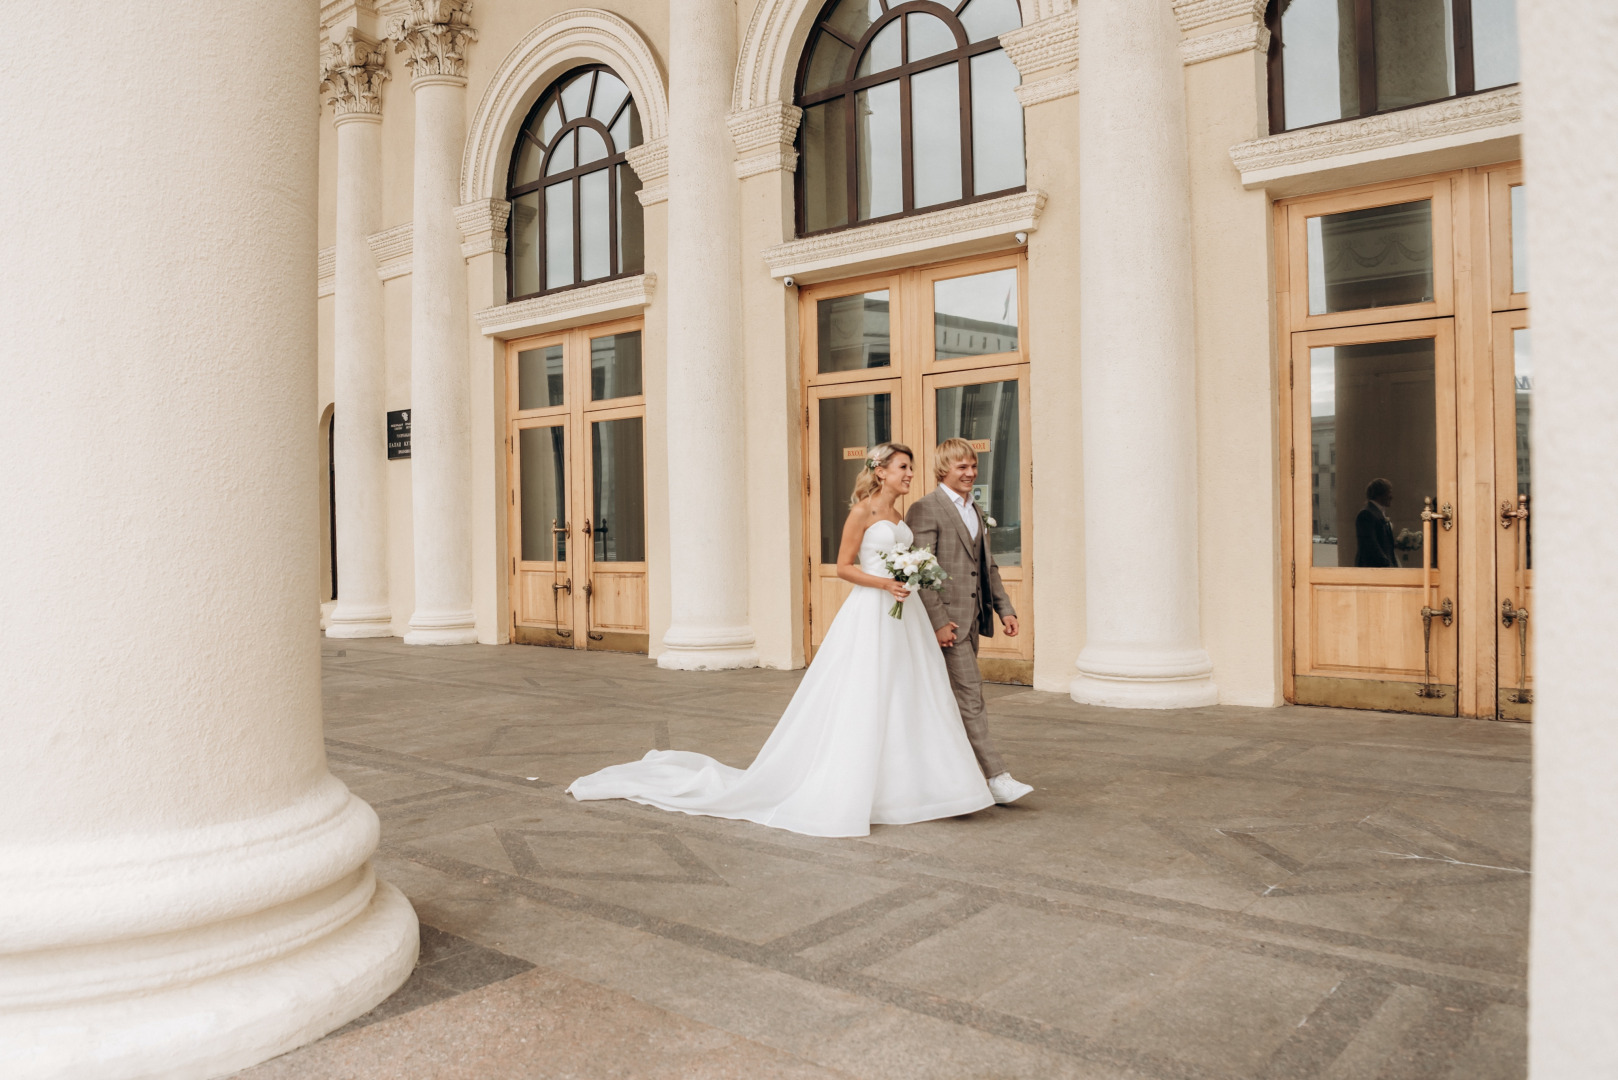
{"x":1237,"y":478}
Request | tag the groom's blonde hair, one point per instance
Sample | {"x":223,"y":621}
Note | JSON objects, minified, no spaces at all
{"x":950,"y":452}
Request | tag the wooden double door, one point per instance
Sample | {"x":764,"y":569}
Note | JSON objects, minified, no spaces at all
{"x":576,"y":468}
{"x":918,"y":356}
{"x":1408,"y":386}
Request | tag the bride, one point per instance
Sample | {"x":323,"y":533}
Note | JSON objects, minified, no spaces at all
{"x":873,"y":735}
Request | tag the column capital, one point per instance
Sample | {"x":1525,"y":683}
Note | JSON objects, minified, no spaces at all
{"x":353,"y":68}
{"x":650,"y":160}
{"x":764,"y":138}
{"x":436,"y":33}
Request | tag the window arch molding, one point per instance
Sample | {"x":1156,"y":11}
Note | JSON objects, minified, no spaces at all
{"x":572,"y":39}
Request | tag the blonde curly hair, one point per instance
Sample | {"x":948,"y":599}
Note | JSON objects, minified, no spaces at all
{"x":868,"y":482}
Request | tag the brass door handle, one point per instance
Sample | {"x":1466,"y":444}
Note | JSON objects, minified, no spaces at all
{"x":1444,"y":515}
{"x":1509,"y":516}
{"x":1445,"y":611}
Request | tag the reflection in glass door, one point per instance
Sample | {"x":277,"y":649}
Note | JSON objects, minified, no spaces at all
{"x":919,"y":356}
{"x":578,"y":489}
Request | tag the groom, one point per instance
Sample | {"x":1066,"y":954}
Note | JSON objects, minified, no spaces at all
{"x":947,"y":521}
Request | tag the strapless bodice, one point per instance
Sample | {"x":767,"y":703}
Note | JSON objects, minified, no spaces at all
{"x":882,"y":537}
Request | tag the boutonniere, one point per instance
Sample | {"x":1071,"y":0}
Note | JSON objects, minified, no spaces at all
{"x":990,"y":522}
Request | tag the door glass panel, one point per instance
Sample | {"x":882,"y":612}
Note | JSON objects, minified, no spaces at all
{"x":618,"y":482}
{"x":985,"y":415}
{"x":975,"y":315}
{"x":1374,"y":456}
{"x":1494,"y":43}
{"x":1381,"y":256}
{"x":876,"y":119}
{"x":825,"y":165}
{"x":543,"y":468}
{"x":1523,"y":377}
{"x":615,"y":366}
{"x":852,"y":332}
{"x":1519,"y":239}
{"x":997,"y":147}
{"x":849,"y":427}
{"x":1415,"y":51}
{"x":1318,"y":48}
{"x":539,"y":377}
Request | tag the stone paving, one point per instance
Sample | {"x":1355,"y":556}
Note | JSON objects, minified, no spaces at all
{"x":1210,"y":894}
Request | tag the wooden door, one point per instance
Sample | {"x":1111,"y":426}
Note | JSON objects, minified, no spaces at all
{"x":845,"y":420}
{"x":988,"y":407}
{"x":576,"y":466}
{"x":1514,"y":554}
{"x":1374,"y":421}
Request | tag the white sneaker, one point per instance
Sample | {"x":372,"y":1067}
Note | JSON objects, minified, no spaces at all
{"x":1006,"y":790}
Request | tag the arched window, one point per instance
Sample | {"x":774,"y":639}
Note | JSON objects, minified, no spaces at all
{"x":908,"y":106}
{"x":574,"y":215}
{"x":1336,"y":59}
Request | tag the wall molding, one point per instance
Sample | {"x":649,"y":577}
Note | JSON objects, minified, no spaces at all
{"x":1239,"y":39}
{"x":584,"y":35}
{"x":1048,"y":89}
{"x":1195,"y":14}
{"x":326,"y":271}
{"x":650,"y":160}
{"x":1049,"y":44}
{"x":961,"y":230}
{"x":391,"y":248}
{"x":483,"y":227}
{"x":1291,"y":158}
{"x":573,"y":307}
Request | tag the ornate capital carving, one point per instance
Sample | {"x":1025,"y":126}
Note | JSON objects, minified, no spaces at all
{"x":1049,"y":44}
{"x":1254,"y":37}
{"x":483,"y":226}
{"x":353,"y":68}
{"x":436,"y":33}
{"x":764,"y":138}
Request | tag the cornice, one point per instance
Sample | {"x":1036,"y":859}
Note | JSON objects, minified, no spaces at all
{"x":1047,"y":89}
{"x":1044,"y":45}
{"x":391,"y":248}
{"x":652,"y":194}
{"x":1490,"y":114}
{"x":436,"y":34}
{"x":650,"y":160}
{"x":326,"y":271}
{"x":483,"y":226}
{"x":1195,"y":14}
{"x":979,"y":226}
{"x":1238,"y":39}
{"x":353,"y":68}
{"x":573,"y":307}
{"x":333,"y":12}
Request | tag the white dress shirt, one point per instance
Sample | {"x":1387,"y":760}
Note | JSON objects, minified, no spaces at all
{"x":968,"y":512}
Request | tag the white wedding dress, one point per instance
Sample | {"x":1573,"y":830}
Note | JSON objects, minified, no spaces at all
{"x":873,"y":735}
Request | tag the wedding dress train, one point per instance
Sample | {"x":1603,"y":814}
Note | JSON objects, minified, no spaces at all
{"x":872,"y":736}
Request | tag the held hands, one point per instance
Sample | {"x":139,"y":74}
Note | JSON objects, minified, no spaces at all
{"x":946,"y":635}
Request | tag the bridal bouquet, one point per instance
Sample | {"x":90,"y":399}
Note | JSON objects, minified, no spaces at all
{"x":915,"y":567}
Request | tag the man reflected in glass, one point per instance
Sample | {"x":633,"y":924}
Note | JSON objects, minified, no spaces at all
{"x":1373,"y":532}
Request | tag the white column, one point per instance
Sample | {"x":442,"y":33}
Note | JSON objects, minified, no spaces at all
{"x":353,"y":71}
{"x":1143,"y":644}
{"x":436,"y":34}
{"x":184,"y":889}
{"x":1571,"y":146}
{"x":708,"y":627}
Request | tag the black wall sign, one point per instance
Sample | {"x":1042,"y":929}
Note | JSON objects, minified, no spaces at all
{"x":398,"y":434}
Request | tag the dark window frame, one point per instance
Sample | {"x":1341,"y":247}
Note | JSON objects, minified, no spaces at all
{"x":852,"y":84}
{"x":615,"y":158}
{"x":1365,"y":57}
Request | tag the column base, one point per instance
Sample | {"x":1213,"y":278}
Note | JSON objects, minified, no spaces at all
{"x":442,"y":628}
{"x":1144,"y":679}
{"x":214,"y":1026}
{"x":354,"y":621}
{"x":708,"y":650}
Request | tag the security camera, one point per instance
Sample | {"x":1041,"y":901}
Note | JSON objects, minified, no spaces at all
{"x":789,"y":281}
{"x":1021,"y":238}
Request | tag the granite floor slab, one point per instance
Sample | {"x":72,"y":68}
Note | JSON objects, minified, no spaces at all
{"x":1208,"y":894}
